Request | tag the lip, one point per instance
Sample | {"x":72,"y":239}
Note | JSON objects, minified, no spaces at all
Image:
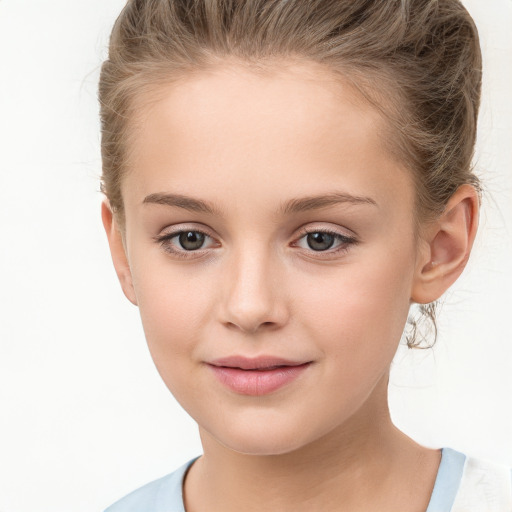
{"x":254,"y":363}
{"x":256,"y":376}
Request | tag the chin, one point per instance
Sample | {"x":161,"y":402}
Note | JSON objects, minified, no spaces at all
{"x":262,"y":447}
{"x":262,"y":439}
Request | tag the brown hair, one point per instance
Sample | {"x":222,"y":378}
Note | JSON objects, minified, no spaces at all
{"x":417,"y":61}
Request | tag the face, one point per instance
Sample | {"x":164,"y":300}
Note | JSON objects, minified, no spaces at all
{"x":271,"y":247}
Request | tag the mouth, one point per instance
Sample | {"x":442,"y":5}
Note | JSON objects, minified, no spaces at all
{"x":257,"y":376}
{"x":262,"y":363}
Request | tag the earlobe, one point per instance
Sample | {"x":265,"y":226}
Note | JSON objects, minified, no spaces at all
{"x":447,"y":246}
{"x":118,"y":252}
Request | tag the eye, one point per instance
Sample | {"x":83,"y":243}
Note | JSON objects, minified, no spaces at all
{"x":321,"y":240}
{"x":191,"y":240}
{"x":184,"y":241}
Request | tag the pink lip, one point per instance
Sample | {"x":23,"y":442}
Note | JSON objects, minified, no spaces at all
{"x":256,"y":376}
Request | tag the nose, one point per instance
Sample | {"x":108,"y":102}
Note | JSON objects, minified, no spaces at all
{"x":254,"y":296}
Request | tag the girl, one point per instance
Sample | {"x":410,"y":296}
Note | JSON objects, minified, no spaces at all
{"x":283,"y":180}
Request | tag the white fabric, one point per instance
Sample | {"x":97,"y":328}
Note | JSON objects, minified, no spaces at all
{"x":485,"y":487}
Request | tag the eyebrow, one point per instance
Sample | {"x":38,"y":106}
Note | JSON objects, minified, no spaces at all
{"x":297,"y":205}
{"x":304,"y":204}
{"x":181,"y":201}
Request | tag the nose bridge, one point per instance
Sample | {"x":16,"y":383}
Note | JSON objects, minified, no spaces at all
{"x":252,"y":298}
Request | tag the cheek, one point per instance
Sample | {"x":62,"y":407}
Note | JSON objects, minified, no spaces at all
{"x":175,"y":305}
{"x":357,"y":325}
{"x":361,"y":307}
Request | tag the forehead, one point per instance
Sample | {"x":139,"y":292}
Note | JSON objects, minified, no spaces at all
{"x":293,"y":102}
{"x":235,"y":125}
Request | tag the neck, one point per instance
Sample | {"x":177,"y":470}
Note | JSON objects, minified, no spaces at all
{"x":362,"y":459}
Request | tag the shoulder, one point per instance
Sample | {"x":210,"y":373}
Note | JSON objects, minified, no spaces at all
{"x":468,"y":484}
{"x":160,"y":495}
{"x":485,"y":483}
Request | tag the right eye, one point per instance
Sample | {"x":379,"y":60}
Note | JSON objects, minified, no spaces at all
{"x":183,"y":241}
{"x":191,"y":240}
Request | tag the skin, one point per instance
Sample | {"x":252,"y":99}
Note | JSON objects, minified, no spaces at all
{"x":247,"y":144}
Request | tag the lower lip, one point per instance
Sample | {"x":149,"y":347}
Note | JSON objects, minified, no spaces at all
{"x":257,"y":382}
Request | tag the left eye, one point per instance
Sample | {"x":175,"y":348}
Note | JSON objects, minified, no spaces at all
{"x":321,"y":240}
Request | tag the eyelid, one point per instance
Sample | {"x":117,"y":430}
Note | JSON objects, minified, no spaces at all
{"x":308,"y":228}
{"x":345,"y":239}
{"x":344,"y":233}
{"x":166,"y":235}
{"x":176,"y":230}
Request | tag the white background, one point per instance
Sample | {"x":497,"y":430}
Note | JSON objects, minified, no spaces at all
{"x":84,"y":417}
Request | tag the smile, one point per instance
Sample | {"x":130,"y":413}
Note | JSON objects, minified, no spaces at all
{"x":256,"y":377}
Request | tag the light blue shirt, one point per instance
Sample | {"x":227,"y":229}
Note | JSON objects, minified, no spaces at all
{"x":165,"y":494}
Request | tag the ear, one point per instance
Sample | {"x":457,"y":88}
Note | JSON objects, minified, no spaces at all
{"x":118,"y":252}
{"x":447,"y":243}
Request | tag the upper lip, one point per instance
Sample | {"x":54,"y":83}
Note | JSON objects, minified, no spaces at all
{"x":254,"y":363}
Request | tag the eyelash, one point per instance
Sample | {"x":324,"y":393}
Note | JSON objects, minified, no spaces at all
{"x":164,"y":240}
{"x":346,"y":242}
